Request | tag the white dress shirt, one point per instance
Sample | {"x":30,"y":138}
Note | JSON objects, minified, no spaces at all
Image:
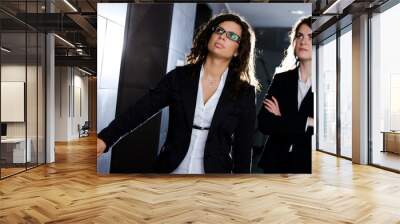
{"x":302,"y":89}
{"x":193,"y":162}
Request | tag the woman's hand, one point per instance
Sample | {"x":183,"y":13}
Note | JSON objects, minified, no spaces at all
{"x":272,"y":106}
{"x":310,"y":122}
{"x":101,"y":146}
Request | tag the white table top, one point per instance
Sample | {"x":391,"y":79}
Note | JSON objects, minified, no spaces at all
{"x":13,"y":140}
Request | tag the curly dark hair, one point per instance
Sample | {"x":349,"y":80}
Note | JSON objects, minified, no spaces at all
{"x":243,"y":63}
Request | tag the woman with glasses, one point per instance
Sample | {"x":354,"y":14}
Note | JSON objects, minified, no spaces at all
{"x":287,"y":113}
{"x":211,"y":104}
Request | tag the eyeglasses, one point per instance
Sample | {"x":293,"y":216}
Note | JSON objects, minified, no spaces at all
{"x":301,"y":36}
{"x":229,"y":34}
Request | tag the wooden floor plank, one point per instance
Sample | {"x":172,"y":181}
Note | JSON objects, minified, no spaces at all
{"x":70,"y":191}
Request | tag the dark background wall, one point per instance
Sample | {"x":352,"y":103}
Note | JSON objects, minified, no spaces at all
{"x":181,"y":38}
{"x":144,"y":62}
{"x":270,"y":46}
{"x":203,"y":14}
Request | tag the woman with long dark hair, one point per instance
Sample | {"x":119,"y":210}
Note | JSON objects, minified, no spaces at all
{"x":211,"y":104}
{"x":287,"y":114}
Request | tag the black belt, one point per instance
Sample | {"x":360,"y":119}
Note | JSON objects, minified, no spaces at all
{"x":200,"y":128}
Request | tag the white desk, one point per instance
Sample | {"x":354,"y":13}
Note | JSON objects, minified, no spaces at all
{"x":19,"y":155}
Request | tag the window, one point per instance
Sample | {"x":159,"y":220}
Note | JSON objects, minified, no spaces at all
{"x":385,"y":88}
{"x":327,"y":95}
{"x":22,"y":78}
{"x":346,"y":92}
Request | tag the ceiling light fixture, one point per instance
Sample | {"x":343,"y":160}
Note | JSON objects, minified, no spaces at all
{"x":70,"y":5}
{"x":64,"y":40}
{"x":84,"y":71}
{"x":5,"y":50}
{"x":337,"y":7}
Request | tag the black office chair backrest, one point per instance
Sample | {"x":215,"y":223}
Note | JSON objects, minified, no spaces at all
{"x":85,"y":125}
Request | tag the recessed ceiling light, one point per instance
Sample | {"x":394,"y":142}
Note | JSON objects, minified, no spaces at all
{"x":297,"y":12}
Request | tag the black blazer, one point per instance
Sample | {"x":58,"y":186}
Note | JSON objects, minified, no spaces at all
{"x":228,"y":146}
{"x":287,"y":130}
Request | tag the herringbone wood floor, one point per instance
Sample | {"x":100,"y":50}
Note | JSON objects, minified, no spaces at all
{"x":70,"y":191}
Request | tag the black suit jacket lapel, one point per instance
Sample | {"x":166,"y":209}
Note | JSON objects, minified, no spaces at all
{"x":294,"y":85}
{"x":223,"y":101}
{"x":307,"y":99}
{"x":189,"y":92}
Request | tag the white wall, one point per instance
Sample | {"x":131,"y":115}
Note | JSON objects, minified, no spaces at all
{"x":80,"y":83}
{"x":61,"y":103}
{"x":17,"y":73}
{"x":70,"y":84}
{"x":33,"y":126}
{"x":10,"y":73}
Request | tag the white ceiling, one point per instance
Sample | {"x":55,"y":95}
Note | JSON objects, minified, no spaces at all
{"x":270,"y":14}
